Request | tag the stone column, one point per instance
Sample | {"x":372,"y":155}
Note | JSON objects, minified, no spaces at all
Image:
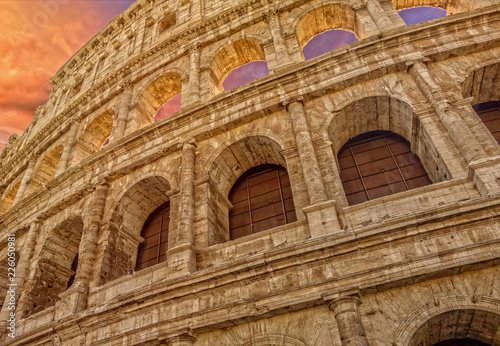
{"x":22,"y":267}
{"x":282,"y":56}
{"x":460,"y":134}
{"x":186,"y":194}
{"x":194,"y":74}
{"x":307,"y":155}
{"x":118,"y":130}
{"x":378,"y":14}
{"x":69,"y":144}
{"x":351,"y":329}
{"x":182,"y":255}
{"x":28,"y":174}
{"x":88,"y":245}
{"x":183,"y":338}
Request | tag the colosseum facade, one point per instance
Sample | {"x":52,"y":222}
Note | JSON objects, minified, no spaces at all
{"x":348,"y":199}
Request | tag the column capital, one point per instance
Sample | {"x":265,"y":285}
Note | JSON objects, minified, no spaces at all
{"x":187,"y":144}
{"x":182,"y":337}
{"x":194,"y":48}
{"x":287,"y":103}
{"x":333,"y":299}
{"x":269,"y":14}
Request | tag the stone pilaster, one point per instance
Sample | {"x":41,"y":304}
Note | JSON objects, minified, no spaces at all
{"x":460,"y":134}
{"x":75,"y":298}
{"x":307,"y":155}
{"x":28,"y":174}
{"x":378,"y":14}
{"x":69,"y":144}
{"x":348,"y":318}
{"x":22,"y":267}
{"x":282,"y":56}
{"x":182,"y":255}
{"x":118,"y":130}
{"x":194,"y":74}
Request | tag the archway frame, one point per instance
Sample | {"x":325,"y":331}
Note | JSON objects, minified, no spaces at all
{"x":408,"y":327}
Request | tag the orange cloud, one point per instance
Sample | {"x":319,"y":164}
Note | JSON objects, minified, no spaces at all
{"x":36,"y":39}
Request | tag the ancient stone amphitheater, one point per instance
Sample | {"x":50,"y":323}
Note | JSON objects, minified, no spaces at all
{"x":349,"y":199}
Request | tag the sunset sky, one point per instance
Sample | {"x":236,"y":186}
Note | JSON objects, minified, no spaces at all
{"x":38,"y":37}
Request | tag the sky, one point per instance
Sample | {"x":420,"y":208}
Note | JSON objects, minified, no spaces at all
{"x":38,"y":37}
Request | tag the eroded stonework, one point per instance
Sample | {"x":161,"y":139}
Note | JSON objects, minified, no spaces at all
{"x":409,"y":268}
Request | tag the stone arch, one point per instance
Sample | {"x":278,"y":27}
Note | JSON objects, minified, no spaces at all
{"x":483,"y":84}
{"x":236,"y":158}
{"x":275,"y":340}
{"x":451,"y":6}
{"x":94,"y":136}
{"x":9,"y":197}
{"x":128,"y":215}
{"x":417,"y":322}
{"x":231,"y":162}
{"x":156,"y":93}
{"x":473,"y":324}
{"x":389,"y":114}
{"x":45,"y":171}
{"x":232,"y":56}
{"x":52,"y":267}
{"x":138,"y":200}
{"x":338,"y":15}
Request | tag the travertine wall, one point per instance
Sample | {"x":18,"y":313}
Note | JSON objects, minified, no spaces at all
{"x":390,"y":271}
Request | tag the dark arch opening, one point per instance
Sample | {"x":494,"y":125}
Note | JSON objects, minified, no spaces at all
{"x":262,"y":199}
{"x":377,"y":164}
{"x":489,"y":113}
{"x":153,"y":249}
{"x":74,"y":267}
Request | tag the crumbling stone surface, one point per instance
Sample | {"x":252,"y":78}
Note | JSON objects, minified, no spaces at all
{"x":411,"y":268}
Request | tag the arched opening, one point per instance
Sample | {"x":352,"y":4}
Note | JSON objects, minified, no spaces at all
{"x":9,"y":198}
{"x":377,"y":164}
{"x":46,"y":170}
{"x":326,"y":42}
{"x":335,"y":22}
{"x":53,"y":267}
{"x":161,"y":98}
{"x":489,"y":113}
{"x":387,"y":114}
{"x":262,"y":199}
{"x":170,"y":107}
{"x":421,"y":14}
{"x":74,"y":267}
{"x":459,"y":327}
{"x":232,"y":163}
{"x":153,"y":249}
{"x":447,"y":7}
{"x":135,"y":210}
{"x":233,"y":56}
{"x":245,"y":74}
{"x":94,"y":136}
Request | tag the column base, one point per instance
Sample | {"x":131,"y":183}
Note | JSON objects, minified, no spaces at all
{"x":182,"y":259}
{"x":73,"y":300}
{"x":322,"y":218}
